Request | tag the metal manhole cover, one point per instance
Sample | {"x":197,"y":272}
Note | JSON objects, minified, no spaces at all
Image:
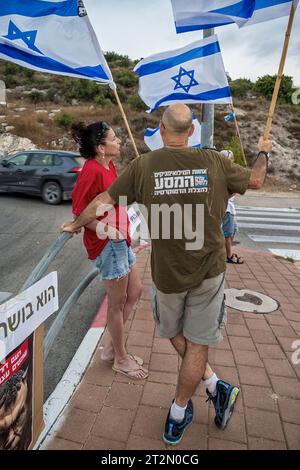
{"x":250,"y":301}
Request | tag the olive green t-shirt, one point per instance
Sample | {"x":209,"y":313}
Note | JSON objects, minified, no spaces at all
{"x":200,"y":183}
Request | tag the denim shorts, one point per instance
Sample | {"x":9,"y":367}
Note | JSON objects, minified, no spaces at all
{"x":229,"y":225}
{"x":115,"y":261}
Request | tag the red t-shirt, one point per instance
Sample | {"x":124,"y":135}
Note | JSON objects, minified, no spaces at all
{"x":94,"y":179}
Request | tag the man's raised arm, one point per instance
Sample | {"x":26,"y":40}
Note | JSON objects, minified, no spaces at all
{"x":260,"y":167}
{"x":101,"y":204}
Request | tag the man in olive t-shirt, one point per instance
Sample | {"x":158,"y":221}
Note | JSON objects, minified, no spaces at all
{"x":185,"y":191}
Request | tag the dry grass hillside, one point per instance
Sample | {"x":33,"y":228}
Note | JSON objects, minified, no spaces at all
{"x":41,"y":108}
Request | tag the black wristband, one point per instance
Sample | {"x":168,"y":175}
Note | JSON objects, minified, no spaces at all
{"x":266,"y":154}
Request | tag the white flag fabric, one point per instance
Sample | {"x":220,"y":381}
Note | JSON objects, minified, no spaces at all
{"x":52,"y":36}
{"x":153,"y":140}
{"x":266,"y":10}
{"x":191,"y":74}
{"x":191,"y":15}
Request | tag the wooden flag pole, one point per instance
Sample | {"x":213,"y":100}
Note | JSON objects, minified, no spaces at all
{"x":239,"y":135}
{"x":126,"y":121}
{"x":280,"y":73}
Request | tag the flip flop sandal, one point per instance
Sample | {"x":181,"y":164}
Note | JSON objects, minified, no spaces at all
{"x":130,"y":373}
{"x":238,"y":259}
{"x":137,"y":359}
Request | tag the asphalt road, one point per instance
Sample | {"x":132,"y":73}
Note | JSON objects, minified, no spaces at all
{"x":27,"y":228}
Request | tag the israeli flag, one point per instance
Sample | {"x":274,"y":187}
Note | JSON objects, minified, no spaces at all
{"x":266,"y":10}
{"x":153,"y":140}
{"x":191,"y":15}
{"x":191,"y":74}
{"x":52,"y":36}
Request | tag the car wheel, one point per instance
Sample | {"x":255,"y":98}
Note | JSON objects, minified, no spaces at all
{"x":52,"y":193}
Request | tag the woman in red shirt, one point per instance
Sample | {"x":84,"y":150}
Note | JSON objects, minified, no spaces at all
{"x":113,"y":257}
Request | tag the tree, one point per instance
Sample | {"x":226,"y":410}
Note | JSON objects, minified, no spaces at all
{"x":265,"y":86}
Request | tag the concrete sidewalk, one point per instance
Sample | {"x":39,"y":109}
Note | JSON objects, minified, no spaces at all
{"x":110,"y":412}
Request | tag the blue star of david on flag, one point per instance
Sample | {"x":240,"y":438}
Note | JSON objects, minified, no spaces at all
{"x":185,"y":86}
{"x":28,"y":37}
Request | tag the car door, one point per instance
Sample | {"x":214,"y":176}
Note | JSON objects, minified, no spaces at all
{"x":12,"y":174}
{"x":40,"y":167}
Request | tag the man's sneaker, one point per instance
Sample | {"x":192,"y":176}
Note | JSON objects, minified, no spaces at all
{"x":223,"y":402}
{"x":174,"y":430}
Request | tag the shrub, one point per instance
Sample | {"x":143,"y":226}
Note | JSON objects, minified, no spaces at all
{"x":234,"y":146}
{"x":241,"y":87}
{"x":126,"y":78}
{"x":64,"y":120}
{"x":265,"y":86}
{"x":118,"y":59}
{"x":36,"y":97}
{"x":136,"y":103}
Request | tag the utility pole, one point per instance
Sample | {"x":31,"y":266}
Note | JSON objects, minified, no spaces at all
{"x":207,"y":133}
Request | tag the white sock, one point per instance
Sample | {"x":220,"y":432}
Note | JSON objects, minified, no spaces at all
{"x":211,"y":384}
{"x":177,"y":412}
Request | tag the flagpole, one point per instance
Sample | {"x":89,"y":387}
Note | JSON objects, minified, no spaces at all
{"x":239,"y":135}
{"x":280,"y":73}
{"x":208,"y":115}
{"x":126,"y":121}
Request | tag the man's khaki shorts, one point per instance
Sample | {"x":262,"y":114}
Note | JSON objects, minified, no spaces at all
{"x":199,"y":313}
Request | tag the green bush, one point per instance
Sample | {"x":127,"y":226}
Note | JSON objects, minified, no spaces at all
{"x":265,"y":86}
{"x":234,"y":146}
{"x":241,"y":87}
{"x":126,"y":78}
{"x":64,"y":120}
{"x":36,"y":97}
{"x":117,"y":59}
{"x":136,"y":103}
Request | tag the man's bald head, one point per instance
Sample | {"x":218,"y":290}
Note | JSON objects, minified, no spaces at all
{"x":178,"y":118}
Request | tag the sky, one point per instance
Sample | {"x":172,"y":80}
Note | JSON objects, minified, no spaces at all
{"x":139,"y":28}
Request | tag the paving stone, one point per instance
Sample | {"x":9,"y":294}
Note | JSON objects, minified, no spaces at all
{"x":143,"y":326}
{"x":99,"y":374}
{"x":155,"y":394}
{"x":290,"y":410}
{"x":287,"y":343}
{"x":259,"y":443}
{"x":163,"y":377}
{"x":220,"y":357}
{"x":283,"y":331}
{"x":250,"y":375}
{"x":220,"y":444}
{"x":77,"y":425}
{"x":228,"y":374}
{"x":89,"y":397}
{"x":286,"y":387}
{"x":126,"y":396}
{"x":265,"y":337}
{"x":164,"y":362}
{"x":235,"y":430}
{"x":270,"y":351}
{"x":144,"y":443}
{"x":149,"y":422}
{"x":277,"y":319}
{"x":264,"y":424}
{"x":257,"y":324}
{"x":139,"y":339}
{"x":237,"y":330}
{"x":201,"y":409}
{"x":100,"y":443}
{"x":163,"y":346}
{"x":241,"y":343}
{"x":113,"y":424}
{"x":280,"y":367}
{"x":63,"y":444}
{"x":292,"y":433}
{"x":247,"y":358}
{"x":259,"y":397}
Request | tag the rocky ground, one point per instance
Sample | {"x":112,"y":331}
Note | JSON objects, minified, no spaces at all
{"x":25,"y":126}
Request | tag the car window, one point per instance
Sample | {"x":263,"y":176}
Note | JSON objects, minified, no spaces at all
{"x":57,"y":160}
{"x":40,"y":159}
{"x":19,"y":159}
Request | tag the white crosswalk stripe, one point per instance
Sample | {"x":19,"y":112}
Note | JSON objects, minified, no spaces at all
{"x":271,"y":225}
